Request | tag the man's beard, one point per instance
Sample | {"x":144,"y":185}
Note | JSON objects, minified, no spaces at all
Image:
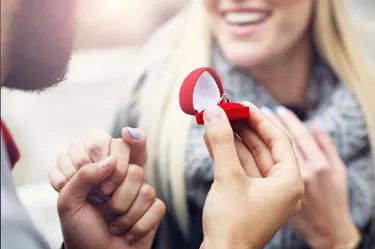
{"x":42,"y":41}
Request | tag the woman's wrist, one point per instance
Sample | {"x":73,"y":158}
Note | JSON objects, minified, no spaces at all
{"x":227,"y":243}
{"x":344,"y":236}
{"x":347,"y":237}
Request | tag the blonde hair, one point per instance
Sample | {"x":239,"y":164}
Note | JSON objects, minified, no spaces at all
{"x":168,"y":127}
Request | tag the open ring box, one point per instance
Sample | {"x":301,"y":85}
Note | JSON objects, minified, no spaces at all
{"x":202,"y":88}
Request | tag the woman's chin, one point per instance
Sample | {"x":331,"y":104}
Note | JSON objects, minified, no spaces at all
{"x":245,"y":56}
{"x":245,"y":61}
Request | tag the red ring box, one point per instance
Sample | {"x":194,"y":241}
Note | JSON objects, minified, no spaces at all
{"x":202,"y":88}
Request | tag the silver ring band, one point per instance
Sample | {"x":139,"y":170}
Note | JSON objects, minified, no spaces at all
{"x":224,"y":97}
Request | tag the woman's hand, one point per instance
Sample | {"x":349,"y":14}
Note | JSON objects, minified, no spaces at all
{"x":324,"y":219}
{"x":257,"y":184}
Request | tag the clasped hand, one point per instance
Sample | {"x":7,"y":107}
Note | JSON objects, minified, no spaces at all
{"x":103,"y":201}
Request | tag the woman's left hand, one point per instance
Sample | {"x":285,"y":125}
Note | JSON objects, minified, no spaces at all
{"x":324,"y":220}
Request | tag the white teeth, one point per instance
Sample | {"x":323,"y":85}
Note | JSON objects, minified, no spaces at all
{"x":244,"y":18}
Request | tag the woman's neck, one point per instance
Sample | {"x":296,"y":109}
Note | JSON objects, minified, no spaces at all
{"x":287,"y":77}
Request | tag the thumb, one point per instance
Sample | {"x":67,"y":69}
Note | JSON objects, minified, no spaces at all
{"x":75,"y":192}
{"x":219,"y":139}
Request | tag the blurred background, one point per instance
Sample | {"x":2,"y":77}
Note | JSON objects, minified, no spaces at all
{"x":110,"y":33}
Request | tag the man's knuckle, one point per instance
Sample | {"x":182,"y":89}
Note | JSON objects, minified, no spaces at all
{"x":160,"y":207}
{"x":121,"y":171}
{"x":93,"y":147}
{"x":140,"y":229}
{"x":123,"y":224}
{"x":84,"y":173}
{"x":118,"y":207}
{"x":60,"y":183}
{"x":221,"y":137}
{"x":69,"y":173}
{"x":147,"y":192}
{"x":136,"y":172}
{"x":83,"y":160}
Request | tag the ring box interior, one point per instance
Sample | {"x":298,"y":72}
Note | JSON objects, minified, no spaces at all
{"x":202,"y":88}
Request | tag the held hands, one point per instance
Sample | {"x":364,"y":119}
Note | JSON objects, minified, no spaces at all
{"x":87,"y":174}
{"x":257,"y":184}
{"x":324,"y":219}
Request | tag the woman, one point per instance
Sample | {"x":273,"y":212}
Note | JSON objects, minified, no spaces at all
{"x":300,"y":54}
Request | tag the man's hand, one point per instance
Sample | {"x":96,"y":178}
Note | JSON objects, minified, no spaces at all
{"x":257,"y":184}
{"x":96,"y":146}
{"x":90,"y":218}
{"x":135,"y":211}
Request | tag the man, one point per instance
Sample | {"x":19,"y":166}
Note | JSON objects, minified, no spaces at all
{"x":36,"y":42}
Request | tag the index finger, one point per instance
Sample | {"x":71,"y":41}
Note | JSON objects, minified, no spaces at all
{"x":121,"y":151}
{"x":275,"y":138}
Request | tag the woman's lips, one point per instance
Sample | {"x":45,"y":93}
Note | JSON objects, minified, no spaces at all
{"x":243,"y":23}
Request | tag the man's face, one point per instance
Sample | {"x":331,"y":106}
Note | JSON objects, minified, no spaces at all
{"x":36,"y":42}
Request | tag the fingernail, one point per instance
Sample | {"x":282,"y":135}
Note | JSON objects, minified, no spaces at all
{"x":266,"y":110}
{"x":281,"y":110}
{"x":213,"y":114}
{"x":114,"y":230}
{"x":321,"y":127}
{"x":133,"y":132}
{"x":96,"y":199}
{"x":108,"y":188}
{"x":104,"y":163}
{"x":129,"y":237}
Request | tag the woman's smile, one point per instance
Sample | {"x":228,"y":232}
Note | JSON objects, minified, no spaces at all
{"x":245,"y":21}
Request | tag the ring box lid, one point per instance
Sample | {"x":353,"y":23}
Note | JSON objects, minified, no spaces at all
{"x":200,"y":89}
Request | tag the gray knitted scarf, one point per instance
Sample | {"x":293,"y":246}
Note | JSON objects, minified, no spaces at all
{"x":334,"y":105}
